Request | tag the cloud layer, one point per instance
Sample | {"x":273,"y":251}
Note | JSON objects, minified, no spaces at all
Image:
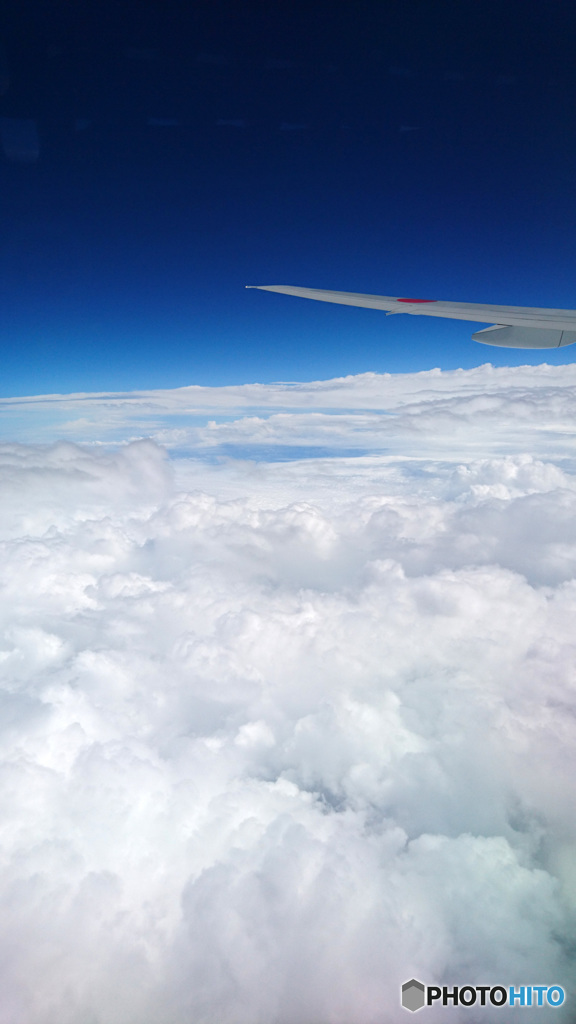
{"x":524,"y":408}
{"x":277,"y":736}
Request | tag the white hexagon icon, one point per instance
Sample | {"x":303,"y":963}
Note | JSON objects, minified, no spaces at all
{"x":413,"y":995}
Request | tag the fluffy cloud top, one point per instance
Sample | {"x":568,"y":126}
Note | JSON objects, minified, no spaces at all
{"x":277,"y":736}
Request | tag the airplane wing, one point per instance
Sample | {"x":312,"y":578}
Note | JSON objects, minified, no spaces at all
{"x":514,"y":326}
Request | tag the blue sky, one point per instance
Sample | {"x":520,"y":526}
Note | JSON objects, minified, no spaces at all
{"x":187,"y":150}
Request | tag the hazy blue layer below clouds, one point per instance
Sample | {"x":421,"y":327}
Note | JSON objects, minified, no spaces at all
{"x":278,"y":736}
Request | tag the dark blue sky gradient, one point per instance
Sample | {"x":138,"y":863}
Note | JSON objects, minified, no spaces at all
{"x":402,"y":148}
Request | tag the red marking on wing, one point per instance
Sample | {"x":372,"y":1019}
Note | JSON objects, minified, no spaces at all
{"x":416,"y":300}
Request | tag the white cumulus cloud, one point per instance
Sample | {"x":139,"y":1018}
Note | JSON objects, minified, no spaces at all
{"x":279,"y":733}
